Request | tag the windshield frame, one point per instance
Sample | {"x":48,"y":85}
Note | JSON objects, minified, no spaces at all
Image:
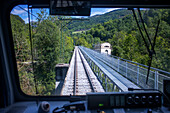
{"x":18,"y":94}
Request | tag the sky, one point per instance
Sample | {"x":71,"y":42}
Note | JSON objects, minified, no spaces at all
{"x":24,"y":15}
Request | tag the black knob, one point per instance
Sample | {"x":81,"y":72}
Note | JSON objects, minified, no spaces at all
{"x":129,"y":100}
{"x":157,"y":99}
{"x":150,"y":99}
{"x":137,"y":100}
{"x":143,"y":99}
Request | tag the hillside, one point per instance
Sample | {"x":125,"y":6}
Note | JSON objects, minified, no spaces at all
{"x":17,"y":18}
{"x":87,"y":24}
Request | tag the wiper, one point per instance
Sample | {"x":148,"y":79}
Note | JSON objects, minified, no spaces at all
{"x":146,"y":44}
{"x":150,"y":51}
{"x":140,"y":15}
{"x":31,"y":44}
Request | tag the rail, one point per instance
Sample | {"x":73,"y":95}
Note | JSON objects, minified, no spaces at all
{"x":75,"y":73}
{"x":87,"y":72}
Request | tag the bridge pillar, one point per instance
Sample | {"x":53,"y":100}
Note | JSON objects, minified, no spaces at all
{"x":61,"y":71}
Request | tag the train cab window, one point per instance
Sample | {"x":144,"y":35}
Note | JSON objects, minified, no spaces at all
{"x":52,"y":52}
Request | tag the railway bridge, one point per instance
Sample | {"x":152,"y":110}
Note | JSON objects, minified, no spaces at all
{"x":91,"y":71}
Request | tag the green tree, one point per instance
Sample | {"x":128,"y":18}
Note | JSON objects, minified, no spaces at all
{"x":46,"y":44}
{"x":69,"y":46}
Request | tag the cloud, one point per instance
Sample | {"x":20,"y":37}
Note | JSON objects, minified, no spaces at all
{"x":103,"y":11}
{"x":110,"y":9}
{"x":97,"y":13}
{"x":18,"y":11}
{"x":26,"y":20}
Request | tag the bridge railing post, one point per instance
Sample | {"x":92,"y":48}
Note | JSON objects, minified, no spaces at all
{"x":118,"y":65}
{"x":157,"y":76}
{"x":137,"y":74}
{"x":97,"y":71}
{"x":126,"y":68}
{"x":106,"y":82}
{"x":100,"y":75}
{"x":112,"y":88}
{"x":156,"y":79}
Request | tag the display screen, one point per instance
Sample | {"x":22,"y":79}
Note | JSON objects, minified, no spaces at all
{"x":68,"y":7}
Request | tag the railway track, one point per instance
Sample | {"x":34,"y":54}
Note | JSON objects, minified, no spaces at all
{"x":82,"y":79}
{"x":82,"y":83}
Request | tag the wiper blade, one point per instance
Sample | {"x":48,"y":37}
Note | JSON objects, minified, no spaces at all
{"x":150,"y":51}
{"x":140,"y":15}
{"x":151,"y":54}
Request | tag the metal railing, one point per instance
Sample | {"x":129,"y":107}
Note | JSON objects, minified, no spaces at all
{"x":108,"y":84}
{"x":135,"y":72}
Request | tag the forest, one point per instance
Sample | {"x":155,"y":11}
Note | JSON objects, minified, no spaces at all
{"x":53,"y":44}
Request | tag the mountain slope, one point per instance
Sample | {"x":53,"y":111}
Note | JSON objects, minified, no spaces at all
{"x":84,"y":25}
{"x":18,"y":18}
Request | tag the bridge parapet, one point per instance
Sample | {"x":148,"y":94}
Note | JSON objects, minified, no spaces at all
{"x":135,"y":72}
{"x":109,"y":82}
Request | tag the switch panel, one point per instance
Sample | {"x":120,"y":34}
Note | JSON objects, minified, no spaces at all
{"x":131,"y":99}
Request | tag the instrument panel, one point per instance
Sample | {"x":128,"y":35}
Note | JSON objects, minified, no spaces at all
{"x":108,"y":102}
{"x":150,"y":99}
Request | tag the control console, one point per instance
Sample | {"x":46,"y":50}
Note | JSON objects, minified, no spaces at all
{"x":106,"y":102}
{"x":132,"y":99}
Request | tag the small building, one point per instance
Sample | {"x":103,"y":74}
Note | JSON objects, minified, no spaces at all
{"x":104,"y":48}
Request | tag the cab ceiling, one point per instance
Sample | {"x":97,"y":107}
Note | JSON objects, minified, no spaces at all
{"x":109,"y":3}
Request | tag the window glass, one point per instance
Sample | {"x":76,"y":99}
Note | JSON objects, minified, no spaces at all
{"x":44,"y":48}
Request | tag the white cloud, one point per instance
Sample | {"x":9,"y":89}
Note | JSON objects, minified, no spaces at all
{"x":110,"y":9}
{"x":97,"y":13}
{"x":76,"y":16}
{"x":18,"y":11}
{"x":26,"y":20}
{"x":103,"y":11}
